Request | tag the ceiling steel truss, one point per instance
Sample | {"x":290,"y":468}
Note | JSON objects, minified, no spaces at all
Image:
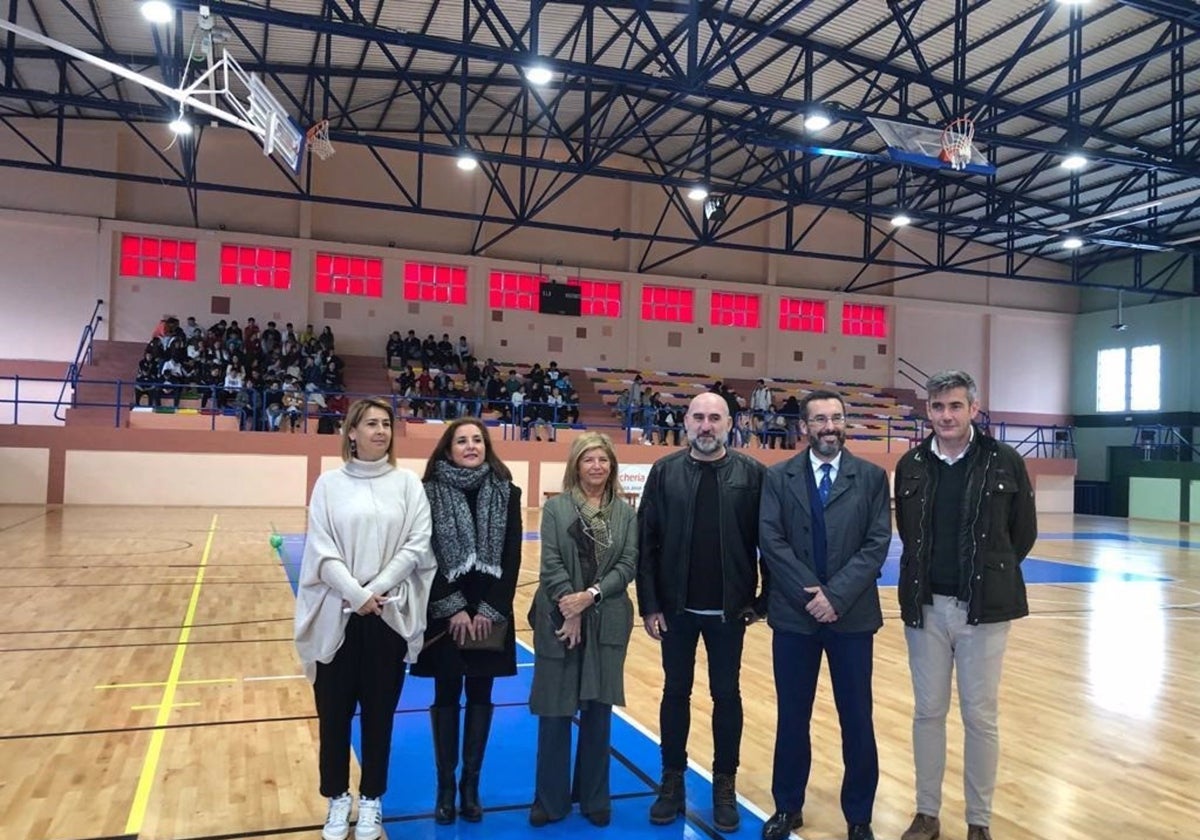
{"x":672,"y":94}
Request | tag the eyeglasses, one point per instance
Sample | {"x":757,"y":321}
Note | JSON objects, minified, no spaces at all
{"x":822,"y":420}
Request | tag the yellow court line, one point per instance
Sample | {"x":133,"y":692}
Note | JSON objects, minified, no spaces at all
{"x":157,"y":684}
{"x":156,"y":705}
{"x":141,"y":798}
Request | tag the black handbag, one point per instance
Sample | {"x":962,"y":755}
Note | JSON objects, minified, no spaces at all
{"x":493,"y":641}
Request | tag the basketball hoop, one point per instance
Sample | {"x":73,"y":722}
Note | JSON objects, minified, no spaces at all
{"x":318,"y":140}
{"x":956,"y":143}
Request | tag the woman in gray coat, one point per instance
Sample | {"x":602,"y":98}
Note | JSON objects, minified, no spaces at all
{"x":582,"y":618}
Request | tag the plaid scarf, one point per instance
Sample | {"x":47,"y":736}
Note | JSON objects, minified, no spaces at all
{"x":463,"y":542}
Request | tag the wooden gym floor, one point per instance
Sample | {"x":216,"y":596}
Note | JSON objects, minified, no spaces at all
{"x":149,"y":687}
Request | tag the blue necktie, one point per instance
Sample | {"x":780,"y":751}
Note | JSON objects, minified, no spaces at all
{"x":826,"y":483}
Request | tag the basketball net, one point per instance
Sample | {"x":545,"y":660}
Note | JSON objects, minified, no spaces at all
{"x":318,"y":140}
{"x":956,"y":143}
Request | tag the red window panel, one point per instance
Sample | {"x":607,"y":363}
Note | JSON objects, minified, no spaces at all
{"x":734,"y":310}
{"x":153,"y":256}
{"x":801,"y":315}
{"x":250,"y":265}
{"x":511,"y":290}
{"x":597,"y":298}
{"x":435,"y":283}
{"x":343,"y":274}
{"x":668,"y":303}
{"x":862,"y":319}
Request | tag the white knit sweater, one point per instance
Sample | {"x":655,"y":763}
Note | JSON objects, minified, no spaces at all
{"x":368,"y":533}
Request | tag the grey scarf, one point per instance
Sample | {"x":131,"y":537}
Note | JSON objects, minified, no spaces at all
{"x":463,"y":542}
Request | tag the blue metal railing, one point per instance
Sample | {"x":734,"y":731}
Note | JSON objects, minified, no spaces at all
{"x":83,"y":356}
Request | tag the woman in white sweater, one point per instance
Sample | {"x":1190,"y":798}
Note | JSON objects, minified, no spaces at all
{"x":360,"y":607}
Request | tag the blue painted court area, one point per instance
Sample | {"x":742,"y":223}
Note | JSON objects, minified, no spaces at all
{"x":506,"y":786}
{"x":1034,"y":569}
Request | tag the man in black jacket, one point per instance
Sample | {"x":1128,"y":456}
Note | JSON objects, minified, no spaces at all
{"x":697,"y":576}
{"x":965,"y":512}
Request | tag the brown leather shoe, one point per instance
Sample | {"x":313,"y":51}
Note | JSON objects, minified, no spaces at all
{"x":924,"y":827}
{"x":978,"y":832}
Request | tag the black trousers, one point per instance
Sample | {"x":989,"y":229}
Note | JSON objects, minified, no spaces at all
{"x":368,"y":673}
{"x":723,"y":642}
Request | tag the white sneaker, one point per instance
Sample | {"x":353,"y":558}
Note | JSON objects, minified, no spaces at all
{"x":337,"y":824}
{"x":370,"y":819}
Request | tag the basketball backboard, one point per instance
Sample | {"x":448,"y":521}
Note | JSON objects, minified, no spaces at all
{"x":916,"y":145}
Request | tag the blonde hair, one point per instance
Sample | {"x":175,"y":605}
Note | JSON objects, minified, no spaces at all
{"x":580,"y":447}
{"x":354,"y":416}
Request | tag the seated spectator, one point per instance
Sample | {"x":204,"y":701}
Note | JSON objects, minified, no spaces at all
{"x":271,"y":339}
{"x":331,"y":378}
{"x":471,"y":371}
{"x":211,"y":381}
{"x":555,"y":402}
{"x":412,"y":349}
{"x":570,"y":406}
{"x":405,"y":381}
{"x":552,"y":373}
{"x":250,"y":331}
{"x":395,"y":349}
{"x":742,"y":432}
{"x":308,"y":336}
{"x":273,"y":405}
{"x":217,"y":331}
{"x":490,"y":369}
{"x":293,"y":405}
{"x":146,"y":380}
{"x":235,"y":380}
{"x":173,"y":379}
{"x":191,"y":329}
{"x":445,"y":352}
{"x":516,"y":409}
{"x":665,"y":420}
{"x":326,"y":339}
{"x":463,"y":350}
{"x":290,"y":336}
{"x":429,"y":352}
{"x":564,"y":381}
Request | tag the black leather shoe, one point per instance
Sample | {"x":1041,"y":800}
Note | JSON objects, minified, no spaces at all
{"x":538,"y":816}
{"x":599,"y":818}
{"x":781,"y":824}
{"x":861,"y":831}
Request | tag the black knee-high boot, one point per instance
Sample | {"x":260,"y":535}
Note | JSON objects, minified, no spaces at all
{"x":445,"y":753}
{"x":475,"y":736}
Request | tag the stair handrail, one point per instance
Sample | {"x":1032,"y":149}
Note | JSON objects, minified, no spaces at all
{"x":83,"y":355}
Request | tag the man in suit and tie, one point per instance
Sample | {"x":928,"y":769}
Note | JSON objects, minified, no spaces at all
{"x":824,"y":531}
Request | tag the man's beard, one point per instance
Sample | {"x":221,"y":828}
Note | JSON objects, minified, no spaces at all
{"x":706,"y":445}
{"x":828,"y":448}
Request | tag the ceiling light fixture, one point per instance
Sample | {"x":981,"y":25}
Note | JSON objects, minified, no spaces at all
{"x":538,"y":74}
{"x":180,"y":126}
{"x":156,"y":11}
{"x":466,"y":162}
{"x":1071,"y":243}
{"x":1073,"y":162}
{"x":901,"y":219}
{"x":816,"y":120}
{"x":698,"y":193}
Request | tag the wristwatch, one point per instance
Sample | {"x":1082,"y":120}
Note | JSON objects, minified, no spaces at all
{"x":597,"y":595}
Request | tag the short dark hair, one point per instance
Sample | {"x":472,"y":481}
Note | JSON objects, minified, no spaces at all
{"x":948,"y":380}
{"x":811,"y":396}
{"x":441,"y":452}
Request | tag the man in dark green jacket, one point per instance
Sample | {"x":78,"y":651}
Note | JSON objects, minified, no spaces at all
{"x":966,"y":516}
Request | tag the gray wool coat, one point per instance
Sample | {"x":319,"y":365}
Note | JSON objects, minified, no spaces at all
{"x":562,"y":679}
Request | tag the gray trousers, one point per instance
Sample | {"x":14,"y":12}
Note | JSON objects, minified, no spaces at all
{"x":554,"y":788}
{"x":945,"y":643}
